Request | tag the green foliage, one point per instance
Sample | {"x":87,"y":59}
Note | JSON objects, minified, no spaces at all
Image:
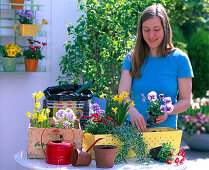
{"x":131,"y":139}
{"x":178,"y":38}
{"x":199,"y":56}
{"x":166,"y":152}
{"x":106,"y":32}
{"x":99,"y":43}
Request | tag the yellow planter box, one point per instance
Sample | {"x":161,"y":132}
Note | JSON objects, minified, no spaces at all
{"x":153,"y":137}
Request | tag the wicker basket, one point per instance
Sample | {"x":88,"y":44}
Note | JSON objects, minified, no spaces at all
{"x":54,"y":106}
{"x":153,"y":137}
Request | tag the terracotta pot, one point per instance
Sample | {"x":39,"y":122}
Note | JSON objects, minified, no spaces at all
{"x":80,"y":158}
{"x":17,"y":2}
{"x":31,"y":64}
{"x":151,"y":119}
{"x":104,"y":155}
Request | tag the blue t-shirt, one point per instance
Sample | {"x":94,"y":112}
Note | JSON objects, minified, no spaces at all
{"x":159,"y":74}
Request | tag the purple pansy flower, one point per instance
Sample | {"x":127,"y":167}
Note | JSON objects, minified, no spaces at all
{"x":61,"y":114}
{"x":20,"y":12}
{"x":161,"y":96}
{"x":101,"y":112}
{"x":162,"y":108}
{"x":167,"y":100}
{"x":168,"y":108}
{"x":95,"y":107}
{"x":152,"y":96}
{"x":28,"y":14}
{"x":69,"y":113}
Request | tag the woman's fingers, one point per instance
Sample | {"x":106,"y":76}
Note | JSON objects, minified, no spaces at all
{"x":143,"y":125}
{"x":161,"y":119}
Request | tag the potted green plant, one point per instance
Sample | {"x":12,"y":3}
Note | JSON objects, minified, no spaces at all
{"x":158,"y":107}
{"x":9,"y":54}
{"x":33,"y":54}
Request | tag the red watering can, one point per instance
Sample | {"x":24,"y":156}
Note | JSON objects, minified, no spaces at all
{"x":58,"y":152}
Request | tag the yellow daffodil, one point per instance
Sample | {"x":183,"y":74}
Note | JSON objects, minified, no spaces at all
{"x":39,"y":95}
{"x":35,"y":111}
{"x":34,"y":95}
{"x":28,"y":114}
{"x":37,"y":104}
{"x":34,"y":115}
{"x":47,"y":110}
{"x":132,"y":103}
{"x":127,"y":101}
{"x":41,"y":118}
{"x":125,"y":94}
{"x":120,"y":98}
{"x":115,"y":98}
{"x":102,"y":95}
{"x":42,"y":112}
{"x":115,"y":109}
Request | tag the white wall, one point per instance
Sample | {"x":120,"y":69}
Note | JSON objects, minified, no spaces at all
{"x":16,"y":88}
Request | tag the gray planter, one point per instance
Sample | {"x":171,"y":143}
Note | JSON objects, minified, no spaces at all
{"x":198,"y":142}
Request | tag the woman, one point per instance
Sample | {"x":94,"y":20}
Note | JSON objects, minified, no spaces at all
{"x":155,"y":65}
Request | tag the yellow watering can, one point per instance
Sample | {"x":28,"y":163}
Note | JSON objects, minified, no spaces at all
{"x":28,"y":29}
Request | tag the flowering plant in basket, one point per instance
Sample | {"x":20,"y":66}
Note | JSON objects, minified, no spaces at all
{"x":158,"y":107}
{"x":39,"y":118}
{"x":99,"y":122}
{"x":64,"y":118}
{"x":34,"y":50}
{"x":196,"y":118}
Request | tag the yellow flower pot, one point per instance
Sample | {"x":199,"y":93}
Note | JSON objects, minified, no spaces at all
{"x":153,"y":137}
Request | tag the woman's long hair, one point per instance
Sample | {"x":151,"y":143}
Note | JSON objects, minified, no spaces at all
{"x":141,"y":49}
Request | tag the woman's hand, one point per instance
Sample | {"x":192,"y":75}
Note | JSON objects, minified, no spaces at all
{"x":138,"y":120}
{"x":161,"y":118}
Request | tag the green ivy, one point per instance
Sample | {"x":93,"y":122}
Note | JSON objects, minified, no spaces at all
{"x":132,"y":140}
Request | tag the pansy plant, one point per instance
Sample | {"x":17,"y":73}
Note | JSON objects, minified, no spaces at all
{"x":64,"y":118}
{"x":159,"y":106}
{"x":99,"y":122}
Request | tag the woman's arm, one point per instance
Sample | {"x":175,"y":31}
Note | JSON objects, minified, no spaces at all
{"x":185,"y":91}
{"x":125,"y":85}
